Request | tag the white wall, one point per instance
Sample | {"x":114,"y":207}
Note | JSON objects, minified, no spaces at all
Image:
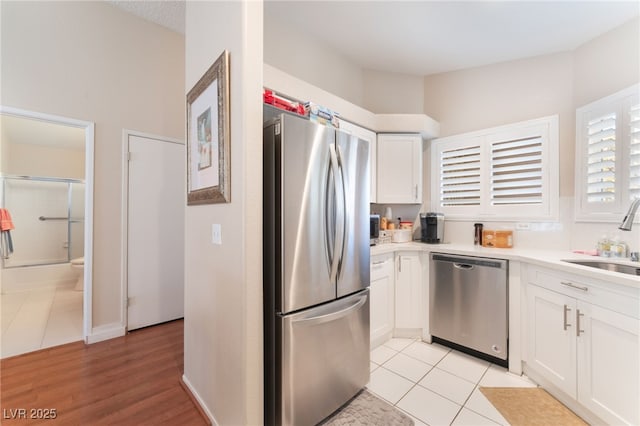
{"x":223,"y":283}
{"x":488,"y":96}
{"x":393,"y":93}
{"x":305,"y":57}
{"x":302,"y":56}
{"x":91,"y":61}
{"x":38,"y":160}
{"x":607,"y":64}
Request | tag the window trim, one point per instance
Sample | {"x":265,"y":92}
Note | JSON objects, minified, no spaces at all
{"x":620,"y":103}
{"x":547,"y":127}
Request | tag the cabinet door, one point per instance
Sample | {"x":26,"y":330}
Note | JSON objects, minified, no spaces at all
{"x":382,"y":300}
{"x":551,"y":343}
{"x":399,"y":169}
{"x":369,"y":136}
{"x":609,"y":364}
{"x":408,"y":290}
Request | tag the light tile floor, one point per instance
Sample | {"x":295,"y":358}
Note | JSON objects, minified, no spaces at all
{"x":38,"y":319}
{"x":436,"y":385}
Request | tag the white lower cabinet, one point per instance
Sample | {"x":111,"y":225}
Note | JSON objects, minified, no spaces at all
{"x":609,"y":364}
{"x":382,"y":298}
{"x":588,"y":351}
{"x":408,"y":291}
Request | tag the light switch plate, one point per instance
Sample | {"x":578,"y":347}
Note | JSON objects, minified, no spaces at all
{"x":216,"y":233}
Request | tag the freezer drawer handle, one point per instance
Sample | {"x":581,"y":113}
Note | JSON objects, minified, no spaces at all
{"x":464,"y":266}
{"x":333,"y":315}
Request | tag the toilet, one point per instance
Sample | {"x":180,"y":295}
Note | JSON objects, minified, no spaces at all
{"x":78,"y":265}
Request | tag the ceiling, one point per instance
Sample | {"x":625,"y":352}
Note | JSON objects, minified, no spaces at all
{"x":427,"y":37}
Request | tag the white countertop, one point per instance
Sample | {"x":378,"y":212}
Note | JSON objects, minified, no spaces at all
{"x":546,"y":258}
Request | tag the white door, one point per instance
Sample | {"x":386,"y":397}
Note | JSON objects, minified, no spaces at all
{"x":155,"y":237}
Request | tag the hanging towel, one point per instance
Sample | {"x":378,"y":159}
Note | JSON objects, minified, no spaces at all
{"x":6,"y":223}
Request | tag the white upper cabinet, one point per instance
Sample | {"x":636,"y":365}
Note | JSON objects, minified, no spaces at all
{"x":399,"y":171}
{"x":369,"y":136}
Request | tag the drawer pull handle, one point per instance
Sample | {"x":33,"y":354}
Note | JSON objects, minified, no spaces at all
{"x":578,"y":331}
{"x":566,"y":311}
{"x":572,"y":285}
{"x":379,"y":262}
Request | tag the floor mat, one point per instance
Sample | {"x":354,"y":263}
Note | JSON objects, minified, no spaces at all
{"x":367,"y":409}
{"x":530,"y":407}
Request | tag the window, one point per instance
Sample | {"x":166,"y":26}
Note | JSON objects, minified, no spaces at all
{"x":503,"y":173}
{"x":608,"y":156}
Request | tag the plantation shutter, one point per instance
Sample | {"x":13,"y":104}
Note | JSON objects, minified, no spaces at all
{"x":460,"y":176}
{"x":634,"y":152}
{"x":516,"y":171}
{"x":601,"y":159}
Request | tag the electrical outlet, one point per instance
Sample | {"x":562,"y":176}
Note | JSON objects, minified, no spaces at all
{"x":216,"y":233}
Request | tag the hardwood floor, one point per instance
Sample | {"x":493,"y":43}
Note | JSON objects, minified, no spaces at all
{"x":131,"y":380}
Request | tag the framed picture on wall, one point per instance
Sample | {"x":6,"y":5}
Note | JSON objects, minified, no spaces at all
{"x":208,"y":144}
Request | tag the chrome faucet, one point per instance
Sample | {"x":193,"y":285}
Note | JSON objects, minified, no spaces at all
{"x":627,"y":223}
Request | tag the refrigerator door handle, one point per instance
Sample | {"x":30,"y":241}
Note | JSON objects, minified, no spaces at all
{"x":342,"y":208}
{"x":313,"y":320}
{"x":338,"y":231}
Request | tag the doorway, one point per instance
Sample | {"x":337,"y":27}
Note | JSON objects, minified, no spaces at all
{"x":46,"y":185}
{"x":153,"y":213}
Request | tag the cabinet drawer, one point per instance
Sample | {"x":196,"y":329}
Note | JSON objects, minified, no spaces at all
{"x":617,"y":298}
{"x":381,"y":264}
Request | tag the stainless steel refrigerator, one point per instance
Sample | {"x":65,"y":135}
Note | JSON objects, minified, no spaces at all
{"x":316,"y":269}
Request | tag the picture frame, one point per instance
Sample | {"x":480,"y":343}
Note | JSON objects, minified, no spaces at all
{"x":208,"y":138}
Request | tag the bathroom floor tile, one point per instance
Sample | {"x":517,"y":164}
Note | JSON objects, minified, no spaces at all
{"x":40,"y":318}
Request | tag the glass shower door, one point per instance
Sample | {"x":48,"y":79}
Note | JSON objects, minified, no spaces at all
{"x":40,"y":212}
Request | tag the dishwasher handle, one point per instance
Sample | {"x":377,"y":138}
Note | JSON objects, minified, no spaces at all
{"x":463,"y":266}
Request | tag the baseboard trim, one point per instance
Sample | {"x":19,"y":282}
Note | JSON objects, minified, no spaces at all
{"x":197,"y":401}
{"x":106,"y":332}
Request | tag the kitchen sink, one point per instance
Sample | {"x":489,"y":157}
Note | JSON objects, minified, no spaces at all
{"x":607,"y":266}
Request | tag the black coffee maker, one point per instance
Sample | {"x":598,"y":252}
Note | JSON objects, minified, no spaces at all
{"x":432,"y":228}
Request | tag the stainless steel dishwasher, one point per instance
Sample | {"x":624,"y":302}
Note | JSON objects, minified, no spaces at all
{"x":468,"y":304}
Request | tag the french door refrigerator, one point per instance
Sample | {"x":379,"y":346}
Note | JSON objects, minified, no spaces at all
{"x":316,"y":269}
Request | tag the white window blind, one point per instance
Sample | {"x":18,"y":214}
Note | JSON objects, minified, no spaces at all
{"x":460,"y":176}
{"x":608,"y":156}
{"x":505,"y":173}
{"x":634,"y":152}
{"x":601,"y":159}
{"x":516,"y":172}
